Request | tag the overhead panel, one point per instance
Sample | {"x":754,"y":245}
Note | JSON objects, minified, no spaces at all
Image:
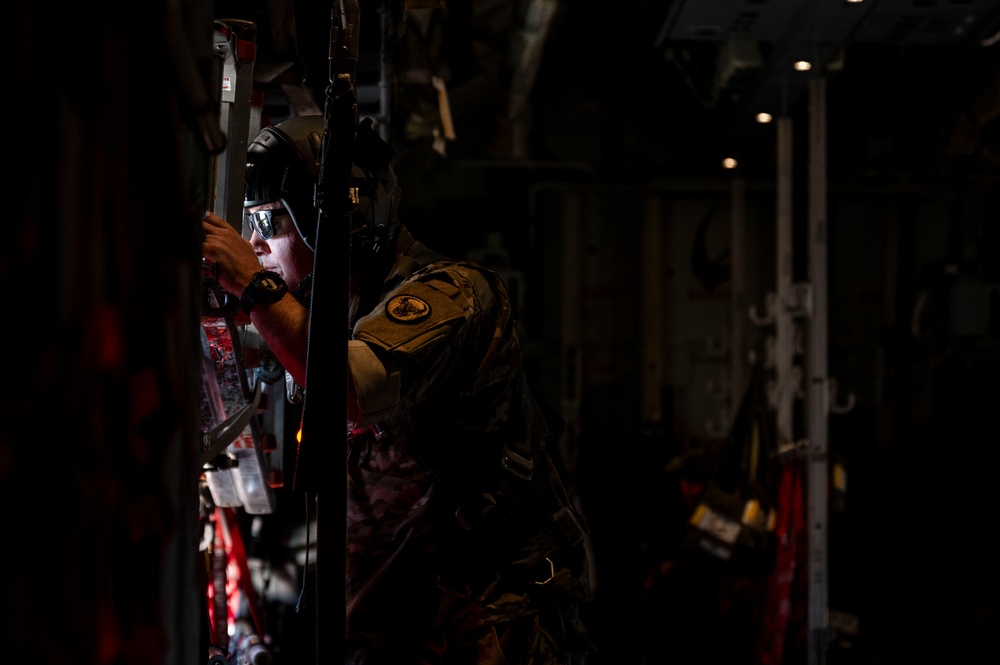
{"x":785,"y":31}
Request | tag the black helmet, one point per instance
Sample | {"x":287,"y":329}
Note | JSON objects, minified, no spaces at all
{"x":283,"y":164}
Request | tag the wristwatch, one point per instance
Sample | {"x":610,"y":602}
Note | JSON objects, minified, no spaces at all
{"x":265,"y":286}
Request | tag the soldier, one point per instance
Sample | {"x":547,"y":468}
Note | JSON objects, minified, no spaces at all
{"x":462,"y":545}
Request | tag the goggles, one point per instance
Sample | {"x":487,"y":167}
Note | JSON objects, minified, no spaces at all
{"x":264,"y":222}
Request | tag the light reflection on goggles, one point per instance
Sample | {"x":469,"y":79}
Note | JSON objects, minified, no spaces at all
{"x":264,"y":222}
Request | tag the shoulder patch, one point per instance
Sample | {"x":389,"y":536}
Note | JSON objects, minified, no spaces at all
{"x":407,"y":309}
{"x":412,"y":317}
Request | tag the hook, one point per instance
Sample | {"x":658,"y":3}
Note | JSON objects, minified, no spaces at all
{"x":832,"y":393}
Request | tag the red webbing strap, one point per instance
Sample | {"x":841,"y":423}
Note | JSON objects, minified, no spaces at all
{"x":238,"y":553}
{"x":790,"y":527}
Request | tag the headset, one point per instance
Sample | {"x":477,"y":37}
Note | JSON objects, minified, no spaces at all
{"x":283,"y":164}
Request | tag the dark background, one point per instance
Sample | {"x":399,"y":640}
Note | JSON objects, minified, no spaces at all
{"x":578,"y":129}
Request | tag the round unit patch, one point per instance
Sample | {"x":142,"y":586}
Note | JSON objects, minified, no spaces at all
{"x":407,"y":309}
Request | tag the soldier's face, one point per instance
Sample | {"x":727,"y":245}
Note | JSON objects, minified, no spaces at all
{"x":283,"y":251}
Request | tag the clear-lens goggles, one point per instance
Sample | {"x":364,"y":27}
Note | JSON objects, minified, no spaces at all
{"x":264,"y":222}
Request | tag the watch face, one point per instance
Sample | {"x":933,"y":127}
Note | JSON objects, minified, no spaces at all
{"x":265,"y":287}
{"x":269,"y":281}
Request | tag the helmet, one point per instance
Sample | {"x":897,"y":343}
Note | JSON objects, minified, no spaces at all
{"x":283,"y":164}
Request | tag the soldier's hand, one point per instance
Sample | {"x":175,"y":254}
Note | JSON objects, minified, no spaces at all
{"x":232,"y":255}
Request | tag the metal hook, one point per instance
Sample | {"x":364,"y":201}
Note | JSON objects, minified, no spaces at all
{"x":832,"y":396}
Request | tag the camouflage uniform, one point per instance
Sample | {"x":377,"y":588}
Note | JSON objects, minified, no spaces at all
{"x":451,"y":558}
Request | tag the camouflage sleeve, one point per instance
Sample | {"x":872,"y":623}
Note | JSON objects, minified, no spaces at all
{"x":422,"y":333}
{"x":376,"y":390}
